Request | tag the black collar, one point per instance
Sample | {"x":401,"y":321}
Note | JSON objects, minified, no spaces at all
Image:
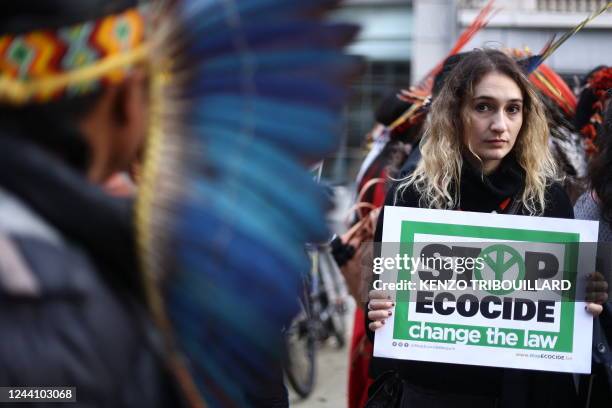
{"x":485,"y":193}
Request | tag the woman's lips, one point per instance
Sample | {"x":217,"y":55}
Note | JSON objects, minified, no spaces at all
{"x":496,"y":141}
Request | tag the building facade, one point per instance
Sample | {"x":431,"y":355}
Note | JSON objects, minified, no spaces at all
{"x":519,"y":24}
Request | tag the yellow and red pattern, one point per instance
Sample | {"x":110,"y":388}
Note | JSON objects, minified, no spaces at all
{"x":549,"y":83}
{"x":46,"y":65}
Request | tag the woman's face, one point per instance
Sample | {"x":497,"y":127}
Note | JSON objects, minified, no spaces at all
{"x":493,"y":119}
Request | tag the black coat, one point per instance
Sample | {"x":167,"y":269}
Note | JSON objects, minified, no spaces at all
{"x":71,"y":310}
{"x":596,"y":389}
{"x":454,"y":385}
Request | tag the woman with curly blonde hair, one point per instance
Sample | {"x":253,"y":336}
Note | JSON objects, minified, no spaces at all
{"x":484,"y":149}
{"x":488,"y":134}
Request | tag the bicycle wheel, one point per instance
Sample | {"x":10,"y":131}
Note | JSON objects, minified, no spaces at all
{"x":335,"y":296}
{"x":300,"y":354}
{"x":338,"y":325}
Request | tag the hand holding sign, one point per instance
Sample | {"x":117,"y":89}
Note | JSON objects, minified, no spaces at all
{"x":379,"y":308}
{"x":597,"y":293}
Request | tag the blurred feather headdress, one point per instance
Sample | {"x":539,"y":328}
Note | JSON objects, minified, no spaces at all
{"x":245,"y":94}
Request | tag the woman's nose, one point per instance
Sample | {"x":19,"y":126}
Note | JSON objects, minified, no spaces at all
{"x":498,"y":122}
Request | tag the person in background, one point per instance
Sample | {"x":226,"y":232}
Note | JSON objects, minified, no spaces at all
{"x":72,"y":307}
{"x":596,"y":204}
{"x":593,"y":99}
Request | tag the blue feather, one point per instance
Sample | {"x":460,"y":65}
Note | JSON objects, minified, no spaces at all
{"x":296,"y":33}
{"x":256,"y":92}
{"x":311,"y":91}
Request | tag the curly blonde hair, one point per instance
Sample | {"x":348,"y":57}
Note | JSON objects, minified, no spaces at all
{"x":437,"y":175}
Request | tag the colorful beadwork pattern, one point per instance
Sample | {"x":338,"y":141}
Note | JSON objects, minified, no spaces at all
{"x":49,"y":64}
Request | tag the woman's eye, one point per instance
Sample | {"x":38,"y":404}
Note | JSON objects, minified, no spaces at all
{"x":514,"y":109}
{"x":482,"y":107}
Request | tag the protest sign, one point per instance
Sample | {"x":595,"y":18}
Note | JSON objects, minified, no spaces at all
{"x":486,"y":289}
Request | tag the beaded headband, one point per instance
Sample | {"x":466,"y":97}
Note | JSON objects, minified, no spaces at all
{"x":47,"y":65}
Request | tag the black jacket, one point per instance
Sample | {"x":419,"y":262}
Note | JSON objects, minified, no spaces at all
{"x":71,"y":310}
{"x":501,"y":387}
{"x":596,"y":389}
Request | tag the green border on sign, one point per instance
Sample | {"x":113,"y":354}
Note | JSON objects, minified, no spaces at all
{"x":571,"y":240}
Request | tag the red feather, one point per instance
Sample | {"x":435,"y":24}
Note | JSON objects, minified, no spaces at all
{"x":420,"y":93}
{"x":555,"y":88}
{"x":424,"y":87}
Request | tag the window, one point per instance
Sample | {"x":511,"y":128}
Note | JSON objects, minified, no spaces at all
{"x":379,"y":79}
